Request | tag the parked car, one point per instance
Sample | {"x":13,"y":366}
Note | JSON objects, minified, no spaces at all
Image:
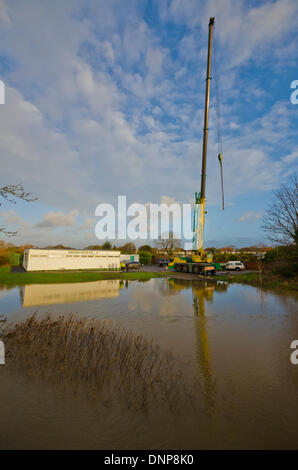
{"x":235,"y":265}
{"x":133,"y":265}
{"x":162,"y":263}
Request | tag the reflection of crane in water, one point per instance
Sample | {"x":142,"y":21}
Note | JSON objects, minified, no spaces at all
{"x":200,"y":296}
{"x":202,"y":292}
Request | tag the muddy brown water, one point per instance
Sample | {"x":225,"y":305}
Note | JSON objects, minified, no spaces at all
{"x":232,"y":340}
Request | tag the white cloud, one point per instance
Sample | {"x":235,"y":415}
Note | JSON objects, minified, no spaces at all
{"x":240,"y":28}
{"x":89,"y":223}
{"x":11,"y":218}
{"x":154,"y":60}
{"x":250,"y":216}
{"x":291,"y":158}
{"x":168,"y":200}
{"x":3,"y":13}
{"x":40,"y":157}
{"x":181,"y":72}
{"x":58,"y":219}
{"x":109,"y":52}
{"x":103,"y":114}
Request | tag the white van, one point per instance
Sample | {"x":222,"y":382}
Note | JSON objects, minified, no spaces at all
{"x":237,"y":265}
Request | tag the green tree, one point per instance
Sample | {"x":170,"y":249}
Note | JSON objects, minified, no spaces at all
{"x":147,"y":248}
{"x":106,"y":246}
{"x":145,"y":257}
{"x":128,"y":248}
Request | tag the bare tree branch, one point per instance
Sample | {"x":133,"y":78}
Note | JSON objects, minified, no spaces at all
{"x":16,"y":191}
{"x":281,"y":219}
{"x":168,"y":242}
{"x":10,"y":193}
{"x":7,"y":232}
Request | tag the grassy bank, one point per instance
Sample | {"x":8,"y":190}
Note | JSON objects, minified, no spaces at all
{"x":16,"y":279}
{"x":267,"y":280}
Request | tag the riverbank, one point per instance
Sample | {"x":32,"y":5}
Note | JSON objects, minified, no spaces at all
{"x":266,"y":280}
{"x":9,"y":278}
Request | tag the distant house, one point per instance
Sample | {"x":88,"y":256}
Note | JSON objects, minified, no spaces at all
{"x":228,"y":249}
{"x":255,"y":250}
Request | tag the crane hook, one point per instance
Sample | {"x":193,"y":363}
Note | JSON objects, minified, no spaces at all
{"x":220,"y":159}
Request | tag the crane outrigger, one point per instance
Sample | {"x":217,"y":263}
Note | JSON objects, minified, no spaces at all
{"x":200,"y":262}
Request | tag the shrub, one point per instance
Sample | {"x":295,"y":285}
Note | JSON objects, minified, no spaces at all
{"x":145,"y":257}
{"x":14,"y":259}
{"x":3,"y":259}
{"x":271,"y":255}
{"x":285,"y":259}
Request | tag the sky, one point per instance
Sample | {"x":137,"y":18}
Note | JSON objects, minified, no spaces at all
{"x":106,"y":98}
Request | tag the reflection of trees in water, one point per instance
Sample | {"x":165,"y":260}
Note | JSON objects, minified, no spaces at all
{"x":7,"y":287}
{"x":168,"y":287}
{"x":265,"y":296}
{"x":21,"y":294}
{"x":285,"y":298}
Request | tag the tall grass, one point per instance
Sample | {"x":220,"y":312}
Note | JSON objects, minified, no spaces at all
{"x":107,"y":361}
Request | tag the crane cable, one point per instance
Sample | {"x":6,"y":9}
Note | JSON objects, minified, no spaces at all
{"x":219,"y":130}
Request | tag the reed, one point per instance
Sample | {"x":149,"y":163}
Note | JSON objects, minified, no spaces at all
{"x":108,"y":361}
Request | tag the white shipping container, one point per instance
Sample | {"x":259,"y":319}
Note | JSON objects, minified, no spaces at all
{"x":47,"y":260}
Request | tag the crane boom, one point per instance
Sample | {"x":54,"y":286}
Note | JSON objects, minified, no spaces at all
{"x":200,"y":262}
{"x":199,"y":209}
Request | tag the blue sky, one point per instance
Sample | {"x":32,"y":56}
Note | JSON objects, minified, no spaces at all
{"x":105,"y":98}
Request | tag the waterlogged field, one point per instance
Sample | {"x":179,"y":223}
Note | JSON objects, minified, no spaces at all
{"x":165,"y":364}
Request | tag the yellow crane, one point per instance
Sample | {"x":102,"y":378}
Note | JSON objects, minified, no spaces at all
{"x":199,"y":210}
{"x":200,"y":262}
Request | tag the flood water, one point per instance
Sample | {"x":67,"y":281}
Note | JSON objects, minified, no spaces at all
{"x":233,"y":341}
